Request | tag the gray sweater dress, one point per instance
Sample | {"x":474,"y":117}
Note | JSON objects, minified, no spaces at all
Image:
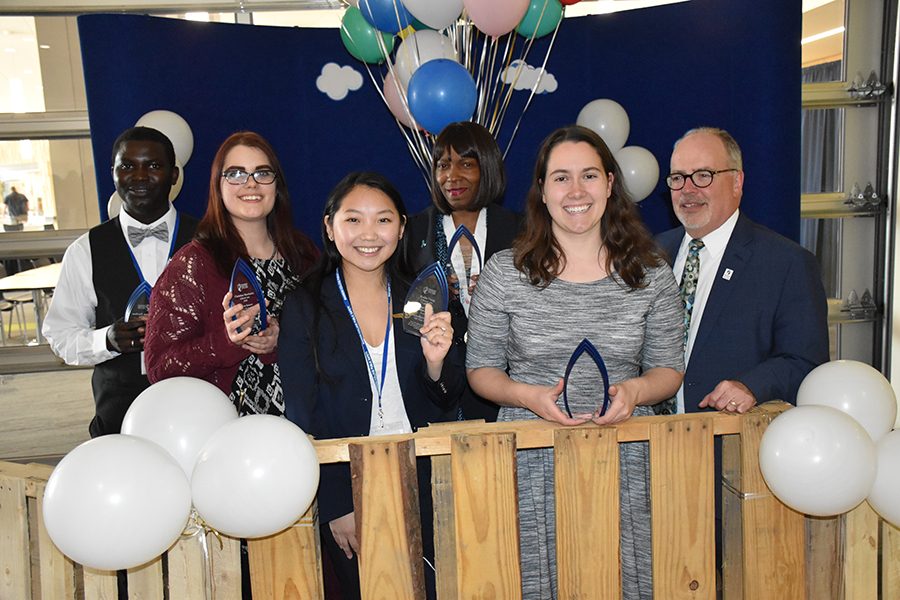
{"x":533,"y":332}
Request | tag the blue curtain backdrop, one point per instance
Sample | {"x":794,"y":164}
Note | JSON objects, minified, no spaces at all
{"x":727,"y":63}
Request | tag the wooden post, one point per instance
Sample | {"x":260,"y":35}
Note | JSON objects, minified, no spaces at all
{"x":288,"y":566}
{"x":444,"y":527}
{"x":186,"y":569}
{"x":587,"y":515}
{"x":386,"y":506}
{"x":486,"y":507}
{"x":15,"y":558}
{"x":681,"y":482}
{"x":824,"y":557}
{"x":774,"y":535}
{"x":861,"y":554}
{"x":732,"y":530}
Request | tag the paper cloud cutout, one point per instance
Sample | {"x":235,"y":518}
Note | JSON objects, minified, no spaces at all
{"x":527,"y":75}
{"x":337,"y":81}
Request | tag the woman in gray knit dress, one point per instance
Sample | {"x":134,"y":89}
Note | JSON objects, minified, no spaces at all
{"x":584,"y":267}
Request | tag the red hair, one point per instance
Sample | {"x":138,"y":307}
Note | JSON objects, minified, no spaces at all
{"x":220,"y":237}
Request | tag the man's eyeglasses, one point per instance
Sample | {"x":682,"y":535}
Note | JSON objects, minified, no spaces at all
{"x":701,"y":179}
{"x":240,"y":177}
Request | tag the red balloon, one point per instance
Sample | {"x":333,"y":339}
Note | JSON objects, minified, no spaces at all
{"x":569,"y":2}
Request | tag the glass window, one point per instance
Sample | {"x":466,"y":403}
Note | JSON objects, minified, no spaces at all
{"x":823,"y":36}
{"x":822,"y":132}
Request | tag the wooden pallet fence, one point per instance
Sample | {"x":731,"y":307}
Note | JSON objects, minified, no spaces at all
{"x":770,"y":551}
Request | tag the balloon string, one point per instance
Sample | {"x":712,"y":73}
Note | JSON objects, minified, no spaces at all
{"x":198,"y":528}
{"x":534,"y":87}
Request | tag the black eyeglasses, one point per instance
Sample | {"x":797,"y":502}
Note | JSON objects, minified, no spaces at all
{"x":701,"y":178}
{"x":240,"y":177}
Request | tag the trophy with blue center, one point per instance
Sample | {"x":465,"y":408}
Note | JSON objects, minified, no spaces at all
{"x":245,"y":290}
{"x":462,"y":232}
{"x":586,"y":347}
{"x":430,"y":287}
{"x":139,"y":302}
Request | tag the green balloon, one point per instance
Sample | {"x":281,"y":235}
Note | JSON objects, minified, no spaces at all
{"x":541,"y":18}
{"x":361,"y":39}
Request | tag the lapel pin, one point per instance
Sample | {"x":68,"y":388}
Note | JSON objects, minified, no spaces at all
{"x":727,"y":274}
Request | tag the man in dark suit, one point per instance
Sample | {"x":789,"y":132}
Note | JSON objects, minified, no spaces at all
{"x":86,"y":323}
{"x":756,"y":314}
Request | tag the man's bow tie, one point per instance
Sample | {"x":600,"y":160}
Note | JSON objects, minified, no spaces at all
{"x":137,"y":234}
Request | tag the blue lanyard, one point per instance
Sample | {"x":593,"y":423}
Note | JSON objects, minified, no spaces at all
{"x":379,"y":381}
{"x":172,"y":239}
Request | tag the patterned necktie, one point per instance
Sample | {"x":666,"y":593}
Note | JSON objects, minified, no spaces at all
{"x":137,"y":234}
{"x":689,"y":283}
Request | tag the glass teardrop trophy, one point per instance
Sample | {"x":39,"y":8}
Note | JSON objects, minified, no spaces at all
{"x":430,"y":287}
{"x":245,"y":290}
{"x":139,"y":302}
{"x":587,"y":347}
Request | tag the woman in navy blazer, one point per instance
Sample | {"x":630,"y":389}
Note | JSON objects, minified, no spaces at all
{"x":339,"y":332}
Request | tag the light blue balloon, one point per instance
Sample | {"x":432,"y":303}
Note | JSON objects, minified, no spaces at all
{"x":441,"y":92}
{"x":389,"y":16}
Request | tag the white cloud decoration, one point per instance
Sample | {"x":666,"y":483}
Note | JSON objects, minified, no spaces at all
{"x":337,"y":81}
{"x":525,"y":76}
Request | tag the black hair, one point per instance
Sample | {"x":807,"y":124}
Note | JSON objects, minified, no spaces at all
{"x":144,"y":134}
{"x":470,"y":140}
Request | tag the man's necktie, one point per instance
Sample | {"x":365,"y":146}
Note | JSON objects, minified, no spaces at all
{"x":689,"y":283}
{"x":688,"y":290}
{"x":137,"y":234}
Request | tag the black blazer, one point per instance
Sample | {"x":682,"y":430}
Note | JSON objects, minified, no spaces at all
{"x":339,"y":403}
{"x":420,"y":251}
{"x":764,"y":324}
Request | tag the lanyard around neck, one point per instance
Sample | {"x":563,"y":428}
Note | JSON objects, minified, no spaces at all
{"x":379,"y":381}
{"x":172,"y":239}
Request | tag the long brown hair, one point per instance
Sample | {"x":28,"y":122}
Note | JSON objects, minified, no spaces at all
{"x":630,"y":249}
{"x":220,"y":237}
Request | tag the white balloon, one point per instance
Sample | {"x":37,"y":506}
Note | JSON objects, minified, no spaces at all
{"x":885,"y":494}
{"x":180,"y":414}
{"x":175,"y":128}
{"x":255,"y":477}
{"x":608,"y":119}
{"x":419,"y":48}
{"x":116,"y":502}
{"x":854,"y":388}
{"x":114,"y":205}
{"x":817,"y":460}
{"x":437,"y":14}
{"x":639,"y":170}
{"x":176,"y":189}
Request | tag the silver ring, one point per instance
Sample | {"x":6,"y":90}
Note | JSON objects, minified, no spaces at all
{"x":733,"y":403}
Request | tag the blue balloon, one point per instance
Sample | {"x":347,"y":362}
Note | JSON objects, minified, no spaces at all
{"x":389,"y":16}
{"x":441,"y":92}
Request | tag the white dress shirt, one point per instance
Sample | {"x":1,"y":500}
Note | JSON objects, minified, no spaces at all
{"x":714,"y":244}
{"x":70,"y":322}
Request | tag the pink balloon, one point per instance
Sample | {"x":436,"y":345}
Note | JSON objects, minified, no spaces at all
{"x":496,"y":17}
{"x":394,"y":101}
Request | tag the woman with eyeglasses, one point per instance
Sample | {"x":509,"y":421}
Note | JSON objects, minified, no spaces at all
{"x":193,"y":330}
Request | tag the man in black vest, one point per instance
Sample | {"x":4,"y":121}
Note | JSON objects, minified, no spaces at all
{"x":101,"y":270}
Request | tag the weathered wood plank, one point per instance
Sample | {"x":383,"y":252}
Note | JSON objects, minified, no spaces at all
{"x":732,"y":529}
{"x":587,"y":519}
{"x":57,"y":573}
{"x":146,"y":582}
{"x":890,"y":560}
{"x":288,"y":566}
{"x":486,"y":508}
{"x":682,"y":502}
{"x":774,"y":535}
{"x":386,"y":507}
{"x":861,"y":553}
{"x":187,"y":569}
{"x":444,"y":527}
{"x":100,"y":585}
{"x":15,"y":559}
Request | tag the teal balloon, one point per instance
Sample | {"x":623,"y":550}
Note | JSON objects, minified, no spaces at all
{"x":419,"y":25}
{"x":541,"y":18}
{"x":361,"y":39}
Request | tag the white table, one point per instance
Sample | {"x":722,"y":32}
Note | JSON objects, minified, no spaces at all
{"x":36,"y":281}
